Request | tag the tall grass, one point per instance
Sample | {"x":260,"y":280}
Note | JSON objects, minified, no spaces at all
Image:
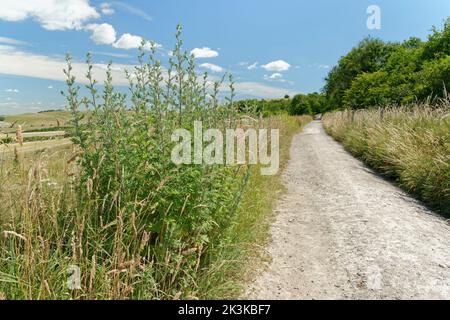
{"x":410,"y":144}
{"x":137,"y":225}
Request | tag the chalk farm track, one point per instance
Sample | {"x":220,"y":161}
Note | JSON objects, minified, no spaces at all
{"x":342,"y":232}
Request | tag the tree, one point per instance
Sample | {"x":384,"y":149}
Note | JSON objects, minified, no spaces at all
{"x":438,"y":44}
{"x":433,"y":79}
{"x":377,"y":73}
{"x":311,"y":104}
{"x":369,"y":56}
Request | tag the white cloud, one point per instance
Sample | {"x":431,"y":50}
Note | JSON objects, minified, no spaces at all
{"x":211,"y":67}
{"x":102,"y":33}
{"x":204,"y":52}
{"x":258,"y":90}
{"x":105,"y":67}
{"x":51,"y":14}
{"x":11,"y":41}
{"x":277,"y":66}
{"x":253,"y":66}
{"x":19,"y":63}
{"x":106,"y":9}
{"x":12,"y":90}
{"x":50,"y":87}
{"x":275,"y":76}
{"x":111,"y":54}
{"x":129,"y":41}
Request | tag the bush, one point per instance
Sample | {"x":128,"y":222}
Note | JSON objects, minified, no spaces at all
{"x":2,"y":118}
{"x":309,"y":104}
{"x":377,"y":73}
{"x":267,"y":108}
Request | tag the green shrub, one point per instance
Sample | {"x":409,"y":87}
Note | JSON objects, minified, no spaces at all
{"x":137,"y":225}
{"x":376,"y":73}
{"x":307,"y":104}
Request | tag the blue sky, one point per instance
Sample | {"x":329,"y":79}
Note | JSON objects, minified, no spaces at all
{"x":271,"y":47}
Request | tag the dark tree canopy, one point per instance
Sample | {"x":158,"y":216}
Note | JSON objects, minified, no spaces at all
{"x":377,"y":73}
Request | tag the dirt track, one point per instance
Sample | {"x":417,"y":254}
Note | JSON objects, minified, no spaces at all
{"x":342,"y":232}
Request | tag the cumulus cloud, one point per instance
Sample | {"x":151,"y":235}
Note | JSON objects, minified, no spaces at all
{"x":102,"y":33}
{"x":106,"y":9}
{"x":275,"y":76}
{"x":204,"y":52}
{"x":277,"y":66}
{"x":12,"y":90}
{"x":211,"y":67}
{"x":50,"y":14}
{"x":129,"y":41}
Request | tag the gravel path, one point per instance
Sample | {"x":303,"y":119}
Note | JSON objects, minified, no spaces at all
{"x":342,"y":232}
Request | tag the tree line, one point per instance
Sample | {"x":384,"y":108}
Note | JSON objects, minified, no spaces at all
{"x":376,"y":73}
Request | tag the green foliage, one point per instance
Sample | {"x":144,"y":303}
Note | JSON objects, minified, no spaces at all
{"x":438,"y":44}
{"x":377,"y":73}
{"x":368,"y":89}
{"x":369,"y":56}
{"x":434,"y":78}
{"x":267,"y":108}
{"x":2,"y":118}
{"x":137,"y":225}
{"x":308,"y":104}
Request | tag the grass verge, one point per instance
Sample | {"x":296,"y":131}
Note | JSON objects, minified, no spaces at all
{"x":234,"y":262}
{"x":409,"y":144}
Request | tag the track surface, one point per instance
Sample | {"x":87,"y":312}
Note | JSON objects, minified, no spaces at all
{"x":342,"y":232}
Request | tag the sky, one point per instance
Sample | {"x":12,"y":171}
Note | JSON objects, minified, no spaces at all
{"x":272,"y":48}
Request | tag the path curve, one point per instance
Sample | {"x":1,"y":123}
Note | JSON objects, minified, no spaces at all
{"x":342,"y":232}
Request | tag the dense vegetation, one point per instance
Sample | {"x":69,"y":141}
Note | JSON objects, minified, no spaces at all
{"x":266,"y":108}
{"x":409,"y":144}
{"x":377,"y":73}
{"x":136,"y":224}
{"x":301,"y":104}
{"x":311,"y":104}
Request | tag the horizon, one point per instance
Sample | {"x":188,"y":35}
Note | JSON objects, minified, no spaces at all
{"x":275,"y":52}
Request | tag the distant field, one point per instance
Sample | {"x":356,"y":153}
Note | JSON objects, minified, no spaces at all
{"x":30,"y":149}
{"x":30,"y":121}
{"x":48,"y":134}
